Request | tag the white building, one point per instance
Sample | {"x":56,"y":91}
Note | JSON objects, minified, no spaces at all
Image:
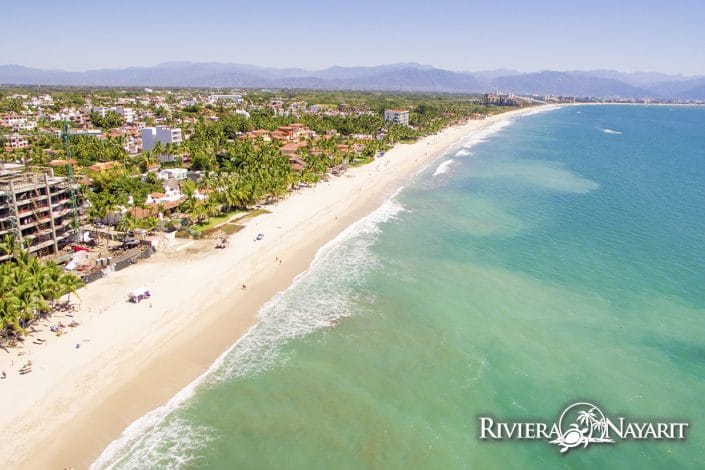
{"x":16,"y":141}
{"x":169,"y":195}
{"x":12,"y":120}
{"x":100,"y":110}
{"x":165,"y":135}
{"x":128,"y":114}
{"x":176,"y":173}
{"x":398,"y":116}
{"x":233,"y":98}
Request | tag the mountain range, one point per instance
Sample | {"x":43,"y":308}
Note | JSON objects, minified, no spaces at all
{"x":395,"y":77}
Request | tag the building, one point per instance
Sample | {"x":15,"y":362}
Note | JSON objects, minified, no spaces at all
{"x":16,"y":141}
{"x":37,"y":209}
{"x":499,"y":99}
{"x":128,"y":114}
{"x":176,"y":173}
{"x":234,"y":98}
{"x":165,"y":135}
{"x":13,"y":121}
{"x":100,"y":111}
{"x":397,"y":116}
{"x":90,"y":132}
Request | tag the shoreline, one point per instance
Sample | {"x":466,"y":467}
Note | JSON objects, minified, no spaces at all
{"x":133,"y":359}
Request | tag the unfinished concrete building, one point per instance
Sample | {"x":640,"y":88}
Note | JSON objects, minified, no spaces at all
{"x":37,"y":209}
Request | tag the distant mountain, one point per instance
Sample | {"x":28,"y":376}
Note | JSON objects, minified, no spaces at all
{"x":683,"y":89}
{"x":638,"y":79}
{"x":695,"y":93}
{"x":393,"y":77}
{"x":485,"y":77}
{"x":566,"y":84}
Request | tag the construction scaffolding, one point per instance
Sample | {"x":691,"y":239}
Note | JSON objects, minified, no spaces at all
{"x":39,"y":210}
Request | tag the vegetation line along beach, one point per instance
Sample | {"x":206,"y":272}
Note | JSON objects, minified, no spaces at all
{"x":267,"y":186}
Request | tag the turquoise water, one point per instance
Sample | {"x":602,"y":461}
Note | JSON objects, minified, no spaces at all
{"x":561,"y":258}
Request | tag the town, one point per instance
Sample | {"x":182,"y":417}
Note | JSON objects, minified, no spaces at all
{"x":92,"y":181}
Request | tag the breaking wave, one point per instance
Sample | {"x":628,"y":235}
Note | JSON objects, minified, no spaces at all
{"x":482,"y":135}
{"x":318,"y":298}
{"x":444,"y":167}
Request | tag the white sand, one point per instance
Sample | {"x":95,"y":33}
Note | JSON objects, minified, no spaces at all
{"x":134,"y":357}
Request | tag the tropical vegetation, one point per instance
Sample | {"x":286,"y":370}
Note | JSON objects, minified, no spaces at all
{"x":29,"y":288}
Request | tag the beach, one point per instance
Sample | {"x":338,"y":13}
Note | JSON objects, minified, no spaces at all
{"x":125,"y":359}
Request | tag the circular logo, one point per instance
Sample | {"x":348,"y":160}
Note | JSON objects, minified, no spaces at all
{"x":581,"y":423}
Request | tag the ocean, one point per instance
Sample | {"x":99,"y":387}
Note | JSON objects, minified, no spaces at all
{"x":554,"y":258}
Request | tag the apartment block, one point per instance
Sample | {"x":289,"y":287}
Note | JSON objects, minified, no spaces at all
{"x":398,"y":116}
{"x":165,"y":135}
{"x":37,"y":209}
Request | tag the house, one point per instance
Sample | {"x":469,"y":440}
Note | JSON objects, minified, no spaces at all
{"x":291,"y":148}
{"x":176,"y":173}
{"x":397,"y":116}
{"x":297,"y":164}
{"x":292,"y":133}
{"x":103,"y":166}
{"x":256,"y":134}
{"x":170,"y":194}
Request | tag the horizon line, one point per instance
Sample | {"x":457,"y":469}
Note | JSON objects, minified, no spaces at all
{"x":410,"y":63}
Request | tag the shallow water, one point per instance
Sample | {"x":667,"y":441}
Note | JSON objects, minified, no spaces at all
{"x":543,"y":262}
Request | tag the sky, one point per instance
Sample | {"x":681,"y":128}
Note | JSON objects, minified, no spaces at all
{"x":529,"y":35}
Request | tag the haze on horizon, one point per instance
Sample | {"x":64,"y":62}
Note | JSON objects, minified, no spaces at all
{"x":632,"y":36}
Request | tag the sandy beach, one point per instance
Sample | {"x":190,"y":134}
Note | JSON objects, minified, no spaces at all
{"x":125,"y":359}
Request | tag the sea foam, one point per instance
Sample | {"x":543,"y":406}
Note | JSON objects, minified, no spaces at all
{"x":444,"y":167}
{"x":482,"y":135}
{"x":306,"y":306}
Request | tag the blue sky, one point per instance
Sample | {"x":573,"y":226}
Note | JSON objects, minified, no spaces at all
{"x":629,"y":35}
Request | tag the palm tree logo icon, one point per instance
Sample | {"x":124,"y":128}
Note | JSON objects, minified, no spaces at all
{"x":589,"y":426}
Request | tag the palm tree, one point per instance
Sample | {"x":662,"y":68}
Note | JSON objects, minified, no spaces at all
{"x":585,"y":417}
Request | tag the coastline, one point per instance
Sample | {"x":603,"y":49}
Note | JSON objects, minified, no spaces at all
{"x":134,"y":358}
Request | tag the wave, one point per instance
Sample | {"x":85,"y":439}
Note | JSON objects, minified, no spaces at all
{"x":542,"y":109}
{"x":463,"y":153}
{"x":307,"y":305}
{"x":444,"y":167}
{"x":610,"y":131}
{"x":172,"y":446}
{"x":482,"y":135}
